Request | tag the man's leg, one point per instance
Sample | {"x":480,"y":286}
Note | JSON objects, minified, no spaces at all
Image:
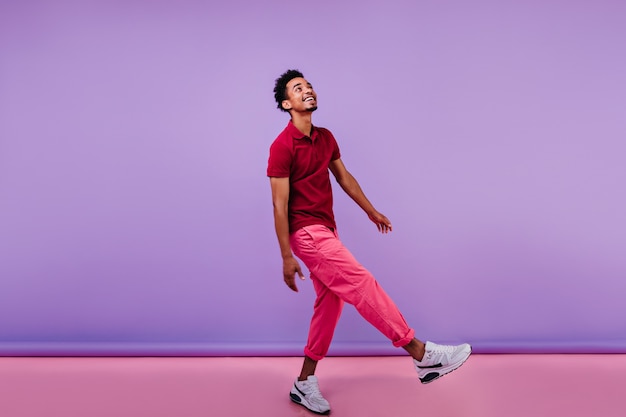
{"x":415,"y":348}
{"x":308,"y":368}
{"x":333,"y":263}
{"x":326,"y":312}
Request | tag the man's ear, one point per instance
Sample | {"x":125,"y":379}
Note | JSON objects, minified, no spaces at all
{"x":286,"y":105}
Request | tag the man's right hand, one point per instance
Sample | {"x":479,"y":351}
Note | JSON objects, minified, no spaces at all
{"x":291,"y":267}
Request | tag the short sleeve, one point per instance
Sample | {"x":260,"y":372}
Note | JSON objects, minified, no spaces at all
{"x":335,"y":147}
{"x":279,"y":162}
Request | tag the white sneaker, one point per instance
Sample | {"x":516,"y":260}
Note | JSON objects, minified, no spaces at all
{"x":307,"y":393}
{"x":440,"y":360}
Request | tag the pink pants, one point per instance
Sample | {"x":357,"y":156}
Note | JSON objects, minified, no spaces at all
{"x":338,"y":278}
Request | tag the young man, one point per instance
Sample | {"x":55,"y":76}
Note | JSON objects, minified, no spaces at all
{"x":298,"y":166}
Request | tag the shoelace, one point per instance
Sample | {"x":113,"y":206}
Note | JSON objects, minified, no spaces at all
{"x":444,"y":349}
{"x":440,"y":350}
{"x":313,"y":390}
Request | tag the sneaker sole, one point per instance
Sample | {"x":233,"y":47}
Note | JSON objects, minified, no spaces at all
{"x":433,"y":376}
{"x":296,"y":399}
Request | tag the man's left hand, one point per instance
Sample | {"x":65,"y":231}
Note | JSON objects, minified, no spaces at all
{"x":381,"y":221}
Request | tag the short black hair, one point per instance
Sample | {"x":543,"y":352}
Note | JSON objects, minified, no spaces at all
{"x":280,"y":88}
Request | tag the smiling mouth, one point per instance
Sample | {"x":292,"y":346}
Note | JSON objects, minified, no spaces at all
{"x":309,"y":99}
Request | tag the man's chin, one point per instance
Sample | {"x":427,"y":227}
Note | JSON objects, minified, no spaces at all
{"x":311,"y":109}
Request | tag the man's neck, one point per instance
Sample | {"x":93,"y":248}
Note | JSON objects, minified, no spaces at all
{"x":302,"y":121}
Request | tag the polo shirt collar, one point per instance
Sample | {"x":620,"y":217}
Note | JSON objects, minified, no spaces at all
{"x":296,"y":134}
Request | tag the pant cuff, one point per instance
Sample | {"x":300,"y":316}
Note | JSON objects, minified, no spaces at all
{"x":406,"y":339}
{"x":312,"y":355}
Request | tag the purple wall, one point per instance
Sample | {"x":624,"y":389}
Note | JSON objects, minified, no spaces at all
{"x":135,"y":215}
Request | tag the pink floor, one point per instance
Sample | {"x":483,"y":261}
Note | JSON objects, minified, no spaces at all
{"x":487,"y":385}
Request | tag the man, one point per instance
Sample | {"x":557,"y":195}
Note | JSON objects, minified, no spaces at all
{"x":298,"y":166}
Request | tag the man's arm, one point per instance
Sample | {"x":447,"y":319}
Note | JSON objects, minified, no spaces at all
{"x":280,"y":200}
{"x":350,"y":185}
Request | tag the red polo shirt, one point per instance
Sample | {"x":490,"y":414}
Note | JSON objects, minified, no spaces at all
{"x":304,"y":160}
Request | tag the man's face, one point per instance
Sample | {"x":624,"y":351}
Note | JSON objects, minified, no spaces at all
{"x":300,"y":96}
